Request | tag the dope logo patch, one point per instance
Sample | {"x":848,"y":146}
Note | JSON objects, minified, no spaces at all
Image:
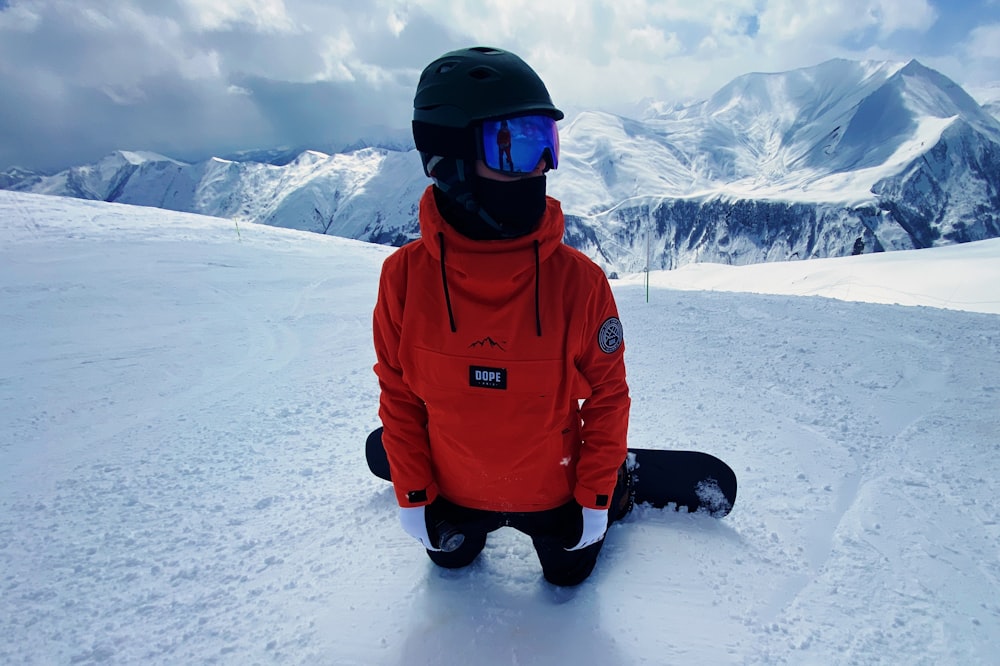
{"x":610,"y":335}
{"x":491,"y":378}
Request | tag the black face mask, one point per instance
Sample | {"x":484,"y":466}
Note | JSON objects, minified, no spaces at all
{"x":515,"y":206}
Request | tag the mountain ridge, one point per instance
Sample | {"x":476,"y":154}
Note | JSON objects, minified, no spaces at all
{"x":772,"y":166}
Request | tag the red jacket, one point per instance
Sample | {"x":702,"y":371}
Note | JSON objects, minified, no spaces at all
{"x":485,"y":350}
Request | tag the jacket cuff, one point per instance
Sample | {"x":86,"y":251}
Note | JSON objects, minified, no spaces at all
{"x":411,"y":497}
{"x":590,"y":499}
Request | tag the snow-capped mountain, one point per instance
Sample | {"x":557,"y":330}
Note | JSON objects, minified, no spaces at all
{"x":993,"y":108}
{"x":343,"y":194}
{"x":989,"y":97}
{"x":810,"y":163}
{"x":793,"y":165}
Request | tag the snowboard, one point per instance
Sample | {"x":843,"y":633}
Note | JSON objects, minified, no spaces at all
{"x":694,"y":481}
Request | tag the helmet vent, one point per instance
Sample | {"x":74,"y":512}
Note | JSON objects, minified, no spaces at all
{"x":482,"y":73}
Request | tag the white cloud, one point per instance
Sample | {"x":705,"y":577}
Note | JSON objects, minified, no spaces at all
{"x":200,"y":64}
{"x":338,"y":50}
{"x":258,"y":15}
{"x":648,"y":42}
{"x":984,"y":42}
{"x":822,"y":23}
{"x":896,"y":15}
{"x":19,"y":18}
{"x":396,"y":21}
{"x":276,"y":63}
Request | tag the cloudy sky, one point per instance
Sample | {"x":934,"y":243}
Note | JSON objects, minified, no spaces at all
{"x":192,"y":78}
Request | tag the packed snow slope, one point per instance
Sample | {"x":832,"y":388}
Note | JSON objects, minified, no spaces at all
{"x":183,"y":406}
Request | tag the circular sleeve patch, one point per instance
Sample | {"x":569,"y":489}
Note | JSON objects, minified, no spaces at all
{"x":610,"y":335}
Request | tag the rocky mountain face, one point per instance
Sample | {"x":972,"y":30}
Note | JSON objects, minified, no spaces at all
{"x":824,"y":161}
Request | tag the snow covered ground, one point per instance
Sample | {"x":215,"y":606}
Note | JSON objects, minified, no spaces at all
{"x":183,"y":407}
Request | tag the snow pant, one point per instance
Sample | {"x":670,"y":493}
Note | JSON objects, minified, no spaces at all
{"x":551,"y":532}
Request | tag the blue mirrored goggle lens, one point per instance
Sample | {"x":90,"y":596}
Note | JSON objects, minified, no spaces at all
{"x":516,"y":145}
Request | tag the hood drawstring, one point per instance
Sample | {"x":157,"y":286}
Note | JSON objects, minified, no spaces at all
{"x":444,"y":281}
{"x":538,"y":313}
{"x":447,"y":294}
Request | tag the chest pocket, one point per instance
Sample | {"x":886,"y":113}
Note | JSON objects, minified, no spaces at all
{"x":532,"y":391}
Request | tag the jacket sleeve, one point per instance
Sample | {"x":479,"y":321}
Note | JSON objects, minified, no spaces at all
{"x":605,"y":412}
{"x":403,"y":413}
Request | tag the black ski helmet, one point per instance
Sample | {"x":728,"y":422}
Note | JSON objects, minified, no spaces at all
{"x":467,"y":86}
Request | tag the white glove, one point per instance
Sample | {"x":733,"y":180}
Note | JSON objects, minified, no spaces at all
{"x":595,"y":524}
{"x":415,"y":524}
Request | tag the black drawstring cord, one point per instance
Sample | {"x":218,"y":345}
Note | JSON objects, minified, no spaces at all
{"x":538,"y":313}
{"x":444,"y":281}
{"x":447,"y":294}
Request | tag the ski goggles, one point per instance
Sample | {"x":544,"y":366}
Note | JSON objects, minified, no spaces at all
{"x":515,"y":145}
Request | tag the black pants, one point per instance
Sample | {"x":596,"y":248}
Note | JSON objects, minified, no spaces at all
{"x":551,"y":533}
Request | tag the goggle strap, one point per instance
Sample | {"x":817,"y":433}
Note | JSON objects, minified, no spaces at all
{"x":444,"y":141}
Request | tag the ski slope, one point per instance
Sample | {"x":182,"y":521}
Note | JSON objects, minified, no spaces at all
{"x":183,"y":406}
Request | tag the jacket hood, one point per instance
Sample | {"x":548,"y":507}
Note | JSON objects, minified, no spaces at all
{"x":489,"y":270}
